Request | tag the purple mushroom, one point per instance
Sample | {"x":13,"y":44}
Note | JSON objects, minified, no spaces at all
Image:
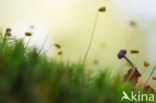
{"x":122,"y":54}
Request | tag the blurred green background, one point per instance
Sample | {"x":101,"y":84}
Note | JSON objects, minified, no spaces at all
{"x":70,"y":23}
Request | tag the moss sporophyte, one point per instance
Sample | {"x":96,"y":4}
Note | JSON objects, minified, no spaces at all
{"x":100,"y":10}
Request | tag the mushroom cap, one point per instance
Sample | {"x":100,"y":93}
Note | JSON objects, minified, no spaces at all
{"x":122,"y":53}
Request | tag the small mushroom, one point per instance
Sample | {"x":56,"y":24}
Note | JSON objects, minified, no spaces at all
{"x":122,"y":54}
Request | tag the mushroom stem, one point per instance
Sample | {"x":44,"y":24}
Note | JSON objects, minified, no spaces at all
{"x":128,"y":60}
{"x":122,"y":54}
{"x":133,"y":70}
